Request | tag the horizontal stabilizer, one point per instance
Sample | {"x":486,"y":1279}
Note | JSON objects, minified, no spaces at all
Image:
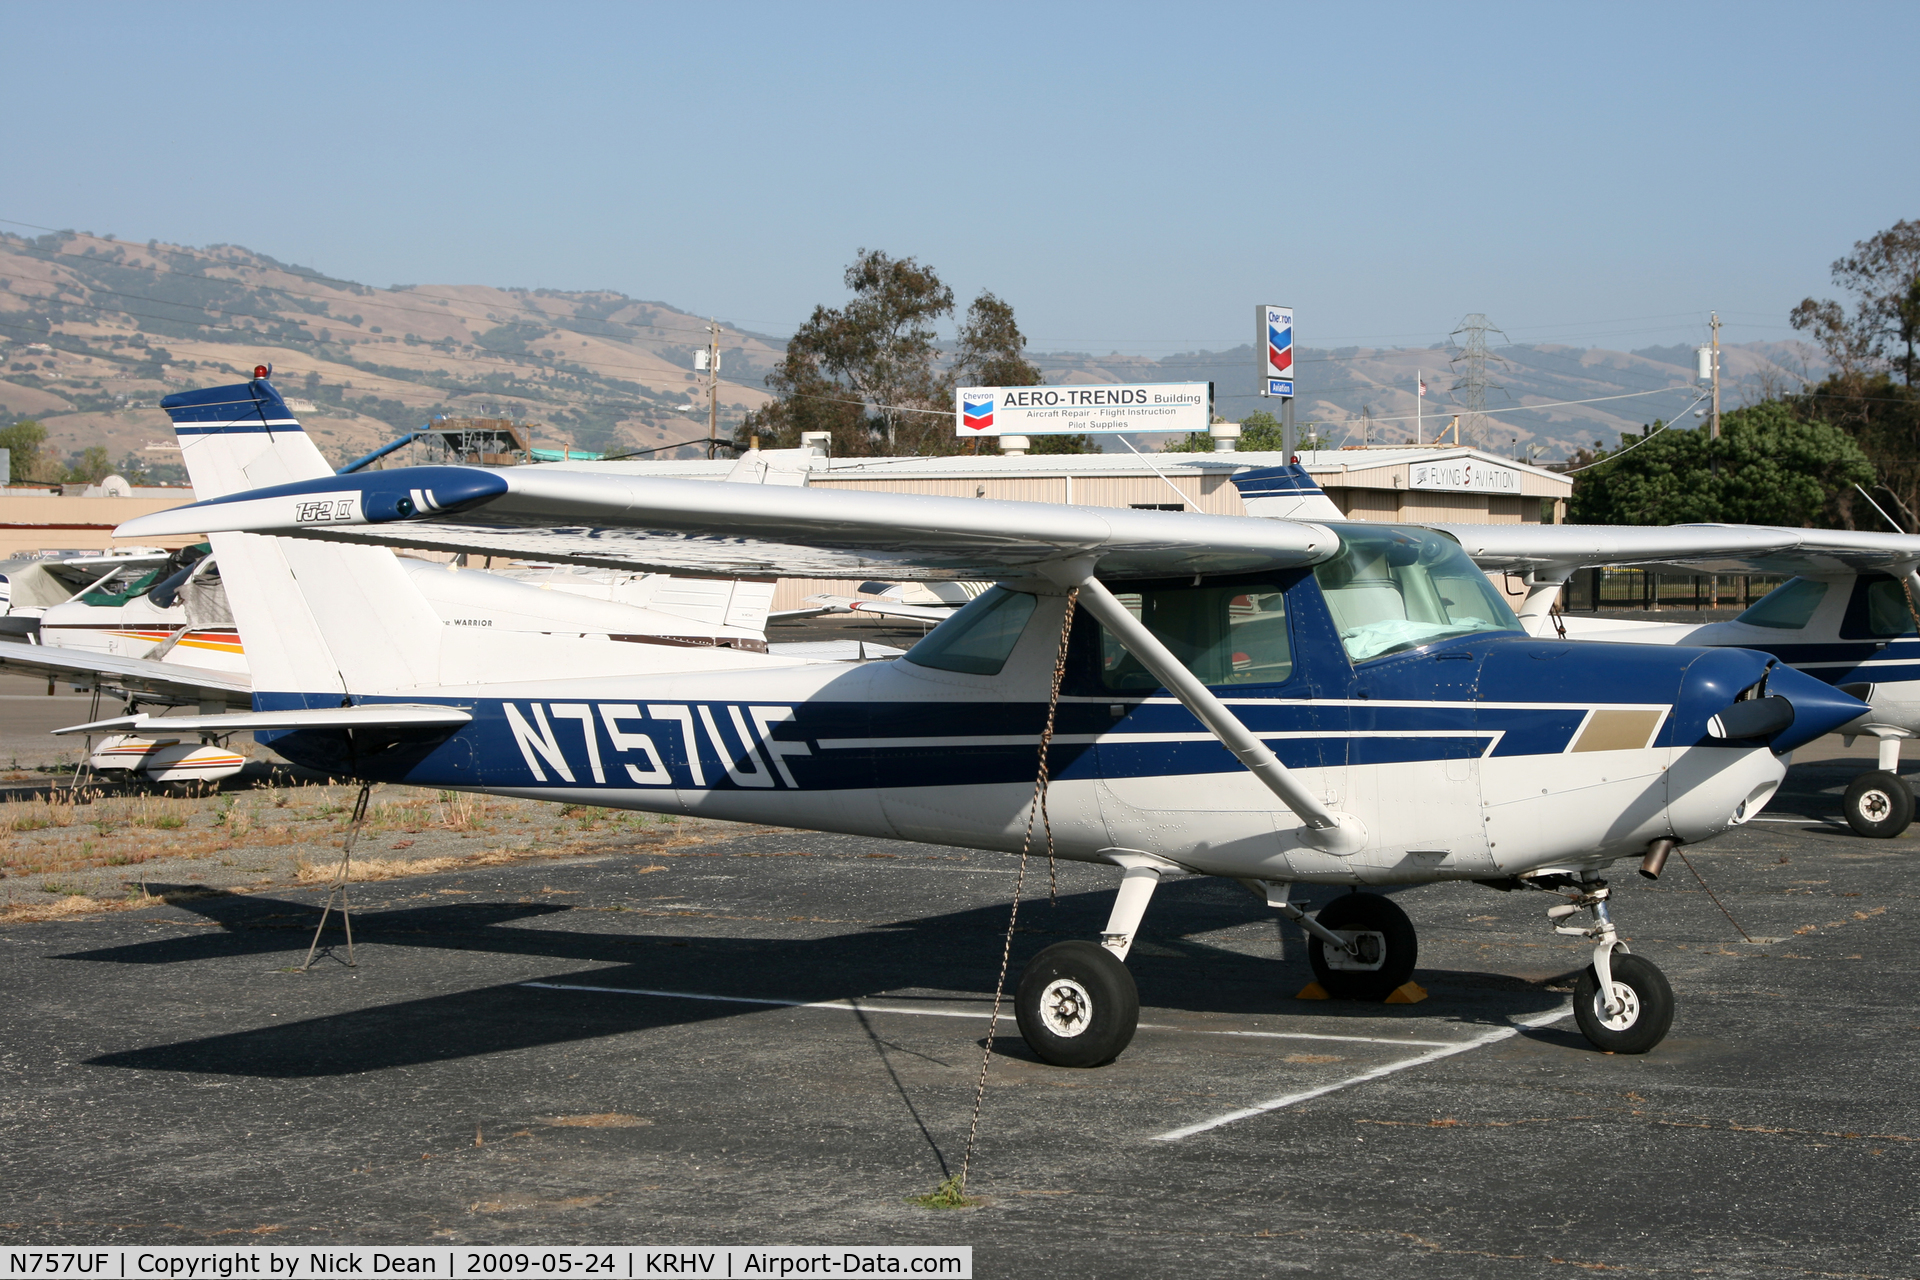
{"x":136,"y":675}
{"x":378,"y":715}
{"x":739,"y":530}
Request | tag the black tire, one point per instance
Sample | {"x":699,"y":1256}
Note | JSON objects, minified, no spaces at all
{"x":1371,"y":913}
{"x":1649,"y":1014}
{"x":1879,"y":805}
{"x":1077,"y":1005}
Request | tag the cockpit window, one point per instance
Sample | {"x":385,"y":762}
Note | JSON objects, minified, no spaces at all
{"x":1788,"y":607}
{"x":1224,"y":634}
{"x":1878,"y":609}
{"x":1395,"y":589}
{"x":123,"y":587}
{"x":980,"y":637}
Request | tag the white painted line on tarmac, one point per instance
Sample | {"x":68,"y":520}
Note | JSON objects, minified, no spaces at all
{"x":843,"y":1005}
{"x":1292,"y":1099}
{"x":858,"y":1006}
{"x":908,"y":866}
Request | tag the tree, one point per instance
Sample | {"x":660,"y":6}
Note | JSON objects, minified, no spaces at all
{"x":1883,"y":275}
{"x":992,"y":349}
{"x":870,"y":373}
{"x":1883,"y":417}
{"x":865,"y":371}
{"x":90,"y":466}
{"x":23,"y":440}
{"x":1774,"y":467}
{"x":1260,"y":432}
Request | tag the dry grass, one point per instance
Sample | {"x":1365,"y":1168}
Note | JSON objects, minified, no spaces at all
{"x":68,"y":907}
{"x":460,"y":811}
{"x":599,"y":1120}
{"x":307,"y":872}
{"x":158,"y":813}
{"x":57,"y":809}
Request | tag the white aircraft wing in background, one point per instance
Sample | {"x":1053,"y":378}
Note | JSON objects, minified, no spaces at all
{"x":164,"y":681}
{"x":1559,"y":549}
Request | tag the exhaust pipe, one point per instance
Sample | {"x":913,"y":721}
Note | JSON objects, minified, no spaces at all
{"x":1658,"y":851}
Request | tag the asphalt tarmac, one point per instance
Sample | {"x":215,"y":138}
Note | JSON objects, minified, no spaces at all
{"x":775,"y":1039}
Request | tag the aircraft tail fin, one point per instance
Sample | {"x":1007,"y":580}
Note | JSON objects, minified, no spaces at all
{"x":1285,"y":493}
{"x":318,"y":619}
{"x":241,"y":437}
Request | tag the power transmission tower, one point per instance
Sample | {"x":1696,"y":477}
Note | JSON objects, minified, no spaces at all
{"x":1473,"y":384}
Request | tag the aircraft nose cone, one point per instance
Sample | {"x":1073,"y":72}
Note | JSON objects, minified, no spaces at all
{"x":1818,"y":707}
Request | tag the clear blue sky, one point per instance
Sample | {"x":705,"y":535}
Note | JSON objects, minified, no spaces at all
{"x":1131,"y":178}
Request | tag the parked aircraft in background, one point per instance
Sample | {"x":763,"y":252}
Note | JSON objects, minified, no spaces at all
{"x":154,"y":628}
{"x":1272,"y":701}
{"x":1846,"y":617}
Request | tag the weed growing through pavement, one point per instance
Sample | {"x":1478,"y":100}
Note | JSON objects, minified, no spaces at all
{"x":951,"y":1194}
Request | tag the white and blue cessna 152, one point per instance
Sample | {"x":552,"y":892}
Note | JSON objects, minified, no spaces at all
{"x":1271,"y":701}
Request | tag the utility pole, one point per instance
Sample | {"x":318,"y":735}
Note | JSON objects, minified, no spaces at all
{"x":713,"y":384}
{"x":1713,"y":437}
{"x":1713,"y":431}
{"x":1419,"y":405}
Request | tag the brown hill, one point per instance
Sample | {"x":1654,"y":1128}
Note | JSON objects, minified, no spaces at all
{"x":94,"y":330}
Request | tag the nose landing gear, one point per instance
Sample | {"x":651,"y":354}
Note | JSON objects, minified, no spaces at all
{"x":1621,"y":1001}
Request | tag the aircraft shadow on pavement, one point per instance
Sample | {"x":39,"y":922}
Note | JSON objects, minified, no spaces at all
{"x":955,"y":953}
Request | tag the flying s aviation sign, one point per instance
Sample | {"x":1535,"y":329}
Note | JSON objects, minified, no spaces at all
{"x":1275,"y":342}
{"x":1463,"y":475}
{"x":1073,"y":410}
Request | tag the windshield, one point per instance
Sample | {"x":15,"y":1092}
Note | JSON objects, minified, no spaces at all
{"x":1788,"y":607}
{"x":117,"y":588}
{"x":980,"y":637}
{"x":1397,"y":588}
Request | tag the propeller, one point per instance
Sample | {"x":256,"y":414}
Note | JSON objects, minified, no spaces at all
{"x":1753,"y":718}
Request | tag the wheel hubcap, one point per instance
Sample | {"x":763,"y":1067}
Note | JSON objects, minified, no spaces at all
{"x":1875,"y":805}
{"x":1065,"y":1008}
{"x":1626,"y":999}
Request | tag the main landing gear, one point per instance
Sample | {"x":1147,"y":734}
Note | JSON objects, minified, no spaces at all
{"x":1077,"y":1005}
{"x":1879,"y":804}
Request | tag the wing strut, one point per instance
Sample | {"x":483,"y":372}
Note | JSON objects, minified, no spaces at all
{"x":1336,"y":833}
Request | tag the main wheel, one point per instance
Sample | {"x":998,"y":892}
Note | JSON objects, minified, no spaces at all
{"x":1648,"y":1006}
{"x":1077,"y":1005}
{"x":1388,"y":948}
{"x":1879,"y":805}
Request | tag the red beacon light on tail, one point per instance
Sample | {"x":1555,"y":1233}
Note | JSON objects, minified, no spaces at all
{"x":262,"y":370}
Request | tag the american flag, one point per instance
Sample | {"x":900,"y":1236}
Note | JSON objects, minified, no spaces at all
{"x":1423,"y":386}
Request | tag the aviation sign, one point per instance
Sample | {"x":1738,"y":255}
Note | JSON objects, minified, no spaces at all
{"x":1275,"y":341}
{"x":1071,"y":410}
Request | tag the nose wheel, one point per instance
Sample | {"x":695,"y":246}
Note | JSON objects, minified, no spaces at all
{"x":1636,"y":1012}
{"x":1621,"y":1001}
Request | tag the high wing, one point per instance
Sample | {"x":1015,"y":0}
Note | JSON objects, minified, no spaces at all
{"x":740,"y":530}
{"x":169,"y":681}
{"x":1555,"y":550}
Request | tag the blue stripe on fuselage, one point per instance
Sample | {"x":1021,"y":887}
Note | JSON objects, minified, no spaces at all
{"x":822,"y":745}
